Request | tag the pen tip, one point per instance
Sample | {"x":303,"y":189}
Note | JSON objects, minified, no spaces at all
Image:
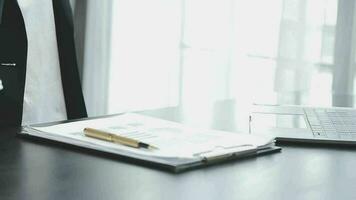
{"x":153,"y":147}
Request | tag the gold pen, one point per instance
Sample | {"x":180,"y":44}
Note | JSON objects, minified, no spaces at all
{"x":103,"y":135}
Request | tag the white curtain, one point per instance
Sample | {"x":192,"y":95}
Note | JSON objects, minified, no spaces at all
{"x":149,"y":54}
{"x":97,"y":55}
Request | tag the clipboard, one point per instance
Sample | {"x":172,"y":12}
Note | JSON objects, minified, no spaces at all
{"x":174,"y":161}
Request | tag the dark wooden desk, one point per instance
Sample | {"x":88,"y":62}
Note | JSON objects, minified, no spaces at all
{"x":36,"y":170}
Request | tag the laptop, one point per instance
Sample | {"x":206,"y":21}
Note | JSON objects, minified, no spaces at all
{"x":335,"y":125}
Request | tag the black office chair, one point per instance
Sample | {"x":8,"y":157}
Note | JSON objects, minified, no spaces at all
{"x":13,"y":58}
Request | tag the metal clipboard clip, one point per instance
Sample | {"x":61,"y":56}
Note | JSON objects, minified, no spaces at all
{"x":220,"y":153}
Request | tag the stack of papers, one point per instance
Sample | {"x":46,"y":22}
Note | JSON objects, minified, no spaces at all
{"x":179,"y":147}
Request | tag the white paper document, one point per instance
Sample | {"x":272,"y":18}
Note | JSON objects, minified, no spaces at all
{"x":174,"y":140}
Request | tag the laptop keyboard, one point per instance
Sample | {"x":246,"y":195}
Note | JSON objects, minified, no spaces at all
{"x":331,"y":123}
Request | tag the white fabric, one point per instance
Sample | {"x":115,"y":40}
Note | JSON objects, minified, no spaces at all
{"x":44,"y":99}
